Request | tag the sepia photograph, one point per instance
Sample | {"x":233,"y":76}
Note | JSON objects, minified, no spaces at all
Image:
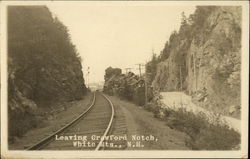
{"x":124,"y":79}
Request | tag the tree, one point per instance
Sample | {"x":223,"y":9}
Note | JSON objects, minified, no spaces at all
{"x":183,"y":19}
{"x":109,"y":72}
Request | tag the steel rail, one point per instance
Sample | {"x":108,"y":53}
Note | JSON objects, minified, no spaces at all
{"x":39,"y":145}
{"x":109,"y":125}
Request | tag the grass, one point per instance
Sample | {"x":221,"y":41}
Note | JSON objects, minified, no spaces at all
{"x":38,"y":127}
{"x":204,"y":133}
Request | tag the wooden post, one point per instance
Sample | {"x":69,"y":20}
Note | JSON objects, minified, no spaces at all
{"x":146,"y":89}
{"x":194,"y":64}
{"x":140,"y":65}
{"x":88,"y":77}
{"x":140,"y":69}
{"x":180,"y":78}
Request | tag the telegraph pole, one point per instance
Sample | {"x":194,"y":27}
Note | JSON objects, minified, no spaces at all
{"x":146,"y":85}
{"x":88,"y":76}
{"x":146,"y":89}
{"x":194,"y":66}
{"x":140,"y":67}
{"x":180,"y":78}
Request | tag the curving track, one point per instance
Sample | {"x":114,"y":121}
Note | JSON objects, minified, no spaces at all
{"x":94,"y":123}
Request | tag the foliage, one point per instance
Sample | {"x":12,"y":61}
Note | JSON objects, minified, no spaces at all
{"x":44,"y":67}
{"x":127,"y":86}
{"x":40,"y":48}
{"x":109,"y":72}
{"x":204,"y":135}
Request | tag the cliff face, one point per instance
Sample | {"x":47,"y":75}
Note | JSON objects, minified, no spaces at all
{"x":203,"y":59}
{"x":43,"y":65}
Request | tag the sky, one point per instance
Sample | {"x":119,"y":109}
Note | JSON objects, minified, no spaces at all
{"x":120,"y":34}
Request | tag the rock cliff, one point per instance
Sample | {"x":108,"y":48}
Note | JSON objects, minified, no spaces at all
{"x":203,"y":59}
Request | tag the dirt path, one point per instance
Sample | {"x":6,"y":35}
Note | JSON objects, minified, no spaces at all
{"x":175,"y":100}
{"x":140,"y":122}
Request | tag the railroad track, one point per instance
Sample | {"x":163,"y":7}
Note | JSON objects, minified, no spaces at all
{"x":87,"y":132}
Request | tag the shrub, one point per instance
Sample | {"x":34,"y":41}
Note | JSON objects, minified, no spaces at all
{"x":215,"y":137}
{"x":20,"y":127}
{"x":152,"y":108}
{"x":204,"y":135}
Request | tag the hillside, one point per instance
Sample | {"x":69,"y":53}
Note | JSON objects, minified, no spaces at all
{"x":44,"y":67}
{"x":203,"y":59}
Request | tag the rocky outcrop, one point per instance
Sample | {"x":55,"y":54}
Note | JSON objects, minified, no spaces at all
{"x":127,"y":86}
{"x":203,"y":59}
{"x":44,"y":67}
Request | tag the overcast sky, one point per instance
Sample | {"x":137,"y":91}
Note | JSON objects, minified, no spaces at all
{"x":119,"y":34}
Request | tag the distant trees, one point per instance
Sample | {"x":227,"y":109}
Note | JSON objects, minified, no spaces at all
{"x":127,"y":86}
{"x":109,"y":72}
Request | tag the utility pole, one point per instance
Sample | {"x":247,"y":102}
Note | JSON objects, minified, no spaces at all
{"x":146,"y":89}
{"x":194,"y":65}
{"x":145,"y":79}
{"x":180,"y":77}
{"x":140,"y":68}
{"x":88,"y":76}
{"x":146,"y":85}
{"x":140,"y":65}
{"x":180,"y":83}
